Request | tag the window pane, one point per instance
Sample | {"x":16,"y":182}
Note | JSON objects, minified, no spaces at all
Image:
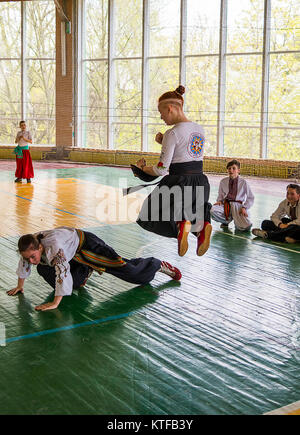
{"x":284,"y":107}
{"x":10,"y":99}
{"x":164,"y":27}
{"x":10,"y":88}
{"x":96,"y":25}
{"x":210,"y":148}
{"x":243,"y":90}
{"x":8,"y":130}
{"x":40,"y":29}
{"x":203,"y":24}
{"x":245,"y":26}
{"x":128,"y":91}
{"x":42,"y":130}
{"x":285,"y":25}
{"x":242,"y":142}
{"x":201,"y":97}
{"x":95,"y":92}
{"x":95,"y":135}
{"x":153,"y":146}
{"x":283,"y":94}
{"x":127,"y":137}
{"x":10,"y":22}
{"x":41,"y":100}
{"x":284,"y":144}
{"x":163,"y":76}
{"x":128,"y":28}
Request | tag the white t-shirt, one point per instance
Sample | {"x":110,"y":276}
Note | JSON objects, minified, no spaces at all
{"x":182,"y":143}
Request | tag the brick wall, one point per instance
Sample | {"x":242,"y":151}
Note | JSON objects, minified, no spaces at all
{"x":64,"y":84}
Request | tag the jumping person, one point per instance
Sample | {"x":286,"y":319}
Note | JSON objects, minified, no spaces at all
{"x":181,"y":165}
{"x":23,"y":158}
{"x":284,"y":225}
{"x":65,"y":257}
{"x":234,"y":200}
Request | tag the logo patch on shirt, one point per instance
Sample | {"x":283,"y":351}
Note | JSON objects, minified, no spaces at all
{"x":195,"y":145}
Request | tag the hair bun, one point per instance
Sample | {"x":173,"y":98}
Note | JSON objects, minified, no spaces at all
{"x":180,"y":90}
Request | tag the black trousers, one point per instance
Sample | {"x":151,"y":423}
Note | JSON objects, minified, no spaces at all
{"x":279,"y":234}
{"x":136,"y":270}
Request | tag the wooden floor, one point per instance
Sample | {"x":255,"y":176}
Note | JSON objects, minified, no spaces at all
{"x":225,"y":340}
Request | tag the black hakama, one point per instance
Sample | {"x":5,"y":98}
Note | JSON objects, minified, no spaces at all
{"x":181,"y":175}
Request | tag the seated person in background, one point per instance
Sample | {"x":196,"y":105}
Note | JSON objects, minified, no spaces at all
{"x":284,"y":225}
{"x":234,"y":200}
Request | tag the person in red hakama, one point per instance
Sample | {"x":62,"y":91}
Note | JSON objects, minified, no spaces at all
{"x":23,"y":158}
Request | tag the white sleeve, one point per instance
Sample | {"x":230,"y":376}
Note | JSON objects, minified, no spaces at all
{"x":221,"y":193}
{"x":249,"y":197}
{"x":63,"y":277}
{"x":166,"y":155}
{"x":278,"y":214}
{"x":295,"y":221}
{"x":24,"y":269}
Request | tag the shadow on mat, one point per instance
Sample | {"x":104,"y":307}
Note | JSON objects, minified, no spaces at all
{"x":83,"y":307}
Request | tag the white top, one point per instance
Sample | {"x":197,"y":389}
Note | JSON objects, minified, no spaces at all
{"x":60,"y":246}
{"x":26,"y":134}
{"x":244,"y":192}
{"x":283,"y":210}
{"x":182,"y":143}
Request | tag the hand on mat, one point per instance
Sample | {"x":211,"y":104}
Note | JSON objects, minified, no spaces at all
{"x":218,"y":203}
{"x":14,"y":291}
{"x":159,"y":138}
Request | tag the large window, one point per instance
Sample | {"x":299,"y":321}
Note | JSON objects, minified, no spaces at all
{"x":239,"y":61}
{"x":27,"y":69}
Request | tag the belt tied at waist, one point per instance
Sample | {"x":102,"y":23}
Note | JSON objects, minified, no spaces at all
{"x":227,"y":206}
{"x":93,"y":260}
{"x":186,"y":168}
{"x":19,"y":151}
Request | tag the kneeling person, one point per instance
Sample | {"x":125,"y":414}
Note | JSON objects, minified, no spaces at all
{"x":65,"y":257}
{"x":234,"y":200}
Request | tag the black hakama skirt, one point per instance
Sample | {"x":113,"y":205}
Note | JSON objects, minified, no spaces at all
{"x":183,"y":175}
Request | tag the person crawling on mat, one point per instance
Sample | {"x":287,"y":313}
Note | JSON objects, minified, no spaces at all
{"x":284,"y":225}
{"x":65,"y":257}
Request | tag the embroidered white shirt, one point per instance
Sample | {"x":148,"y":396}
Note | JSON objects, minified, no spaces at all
{"x":182,"y":143}
{"x":244,"y":192}
{"x":283,"y":210}
{"x":60,"y":246}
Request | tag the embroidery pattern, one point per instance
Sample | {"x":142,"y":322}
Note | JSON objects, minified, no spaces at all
{"x":161,"y":165}
{"x":195,"y":146}
{"x":24,"y":266}
{"x":59,"y":263}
